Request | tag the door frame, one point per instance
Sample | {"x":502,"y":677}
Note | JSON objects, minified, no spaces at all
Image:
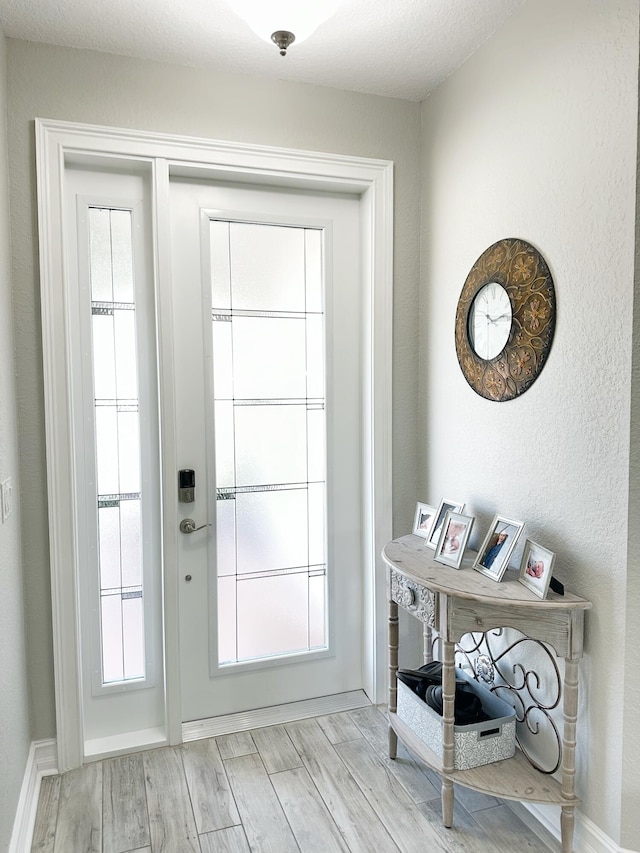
{"x":60,"y":142}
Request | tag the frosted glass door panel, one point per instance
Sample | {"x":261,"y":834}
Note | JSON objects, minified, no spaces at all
{"x":271,"y":530}
{"x":266,"y":266}
{"x":122,"y":637}
{"x":220,"y":272}
{"x":125,"y":354}
{"x":270,"y":439}
{"x":118,"y":456}
{"x":130,"y":544}
{"x":121,"y":256}
{"x":317,"y":608}
{"x":133,"y":636}
{"x":269,"y":358}
{"x":112,"y":638}
{"x":271,"y":445}
{"x":227,"y":621}
{"x":272,"y":616}
{"x":313,"y":271}
{"x":316,"y":496}
{"x":109,"y":544}
{"x":106,"y":420}
{"x":129,"y":451}
{"x":316,"y":445}
{"x":314,"y":357}
{"x":104,"y":362}
{"x":226,"y":538}
{"x":225,"y":444}
{"x":100,"y":254}
{"x":223,"y":359}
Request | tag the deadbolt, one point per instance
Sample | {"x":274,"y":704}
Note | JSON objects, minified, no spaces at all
{"x":187,"y":578}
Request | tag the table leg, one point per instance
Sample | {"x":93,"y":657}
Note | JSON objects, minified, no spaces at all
{"x":448,"y":708}
{"x":570,"y":713}
{"x":567,"y":823}
{"x":427,"y":645}
{"x":393,"y":669}
{"x":446,"y":795}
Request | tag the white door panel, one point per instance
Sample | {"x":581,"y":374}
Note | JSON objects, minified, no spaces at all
{"x":209,"y":690}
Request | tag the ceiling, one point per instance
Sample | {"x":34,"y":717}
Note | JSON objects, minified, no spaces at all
{"x":398,"y":48}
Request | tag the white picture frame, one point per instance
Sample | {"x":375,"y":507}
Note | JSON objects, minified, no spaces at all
{"x":444,"y":506}
{"x":536,"y":568}
{"x":453,"y":539}
{"x":492,"y":559}
{"x":423,"y":519}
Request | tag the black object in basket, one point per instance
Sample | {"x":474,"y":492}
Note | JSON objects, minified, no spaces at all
{"x":426,"y":682}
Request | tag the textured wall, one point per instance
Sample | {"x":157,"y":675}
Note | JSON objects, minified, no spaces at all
{"x":14,"y":711}
{"x":631,"y":731}
{"x":535,"y":137}
{"x":99,"y":88}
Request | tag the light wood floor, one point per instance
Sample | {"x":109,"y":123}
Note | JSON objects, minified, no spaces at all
{"x":315,"y":786}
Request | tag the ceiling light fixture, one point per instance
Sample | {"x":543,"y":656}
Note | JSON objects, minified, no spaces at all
{"x":284,"y":21}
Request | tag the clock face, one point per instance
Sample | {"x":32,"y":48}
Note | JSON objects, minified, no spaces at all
{"x":490,"y":318}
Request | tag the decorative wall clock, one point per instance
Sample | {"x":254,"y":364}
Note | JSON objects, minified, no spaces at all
{"x":505,"y":320}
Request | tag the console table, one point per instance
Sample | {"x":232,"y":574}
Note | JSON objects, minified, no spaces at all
{"x":458,"y":602}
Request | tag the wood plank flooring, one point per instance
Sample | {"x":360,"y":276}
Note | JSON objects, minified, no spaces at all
{"x":315,"y":786}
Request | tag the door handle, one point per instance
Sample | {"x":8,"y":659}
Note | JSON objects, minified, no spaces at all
{"x":188,"y":525}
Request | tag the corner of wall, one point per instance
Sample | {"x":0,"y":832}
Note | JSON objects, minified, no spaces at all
{"x":14,"y":705}
{"x":631,"y":687}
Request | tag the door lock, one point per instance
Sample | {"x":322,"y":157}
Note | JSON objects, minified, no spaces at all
{"x":186,"y":485}
{"x":188,"y":525}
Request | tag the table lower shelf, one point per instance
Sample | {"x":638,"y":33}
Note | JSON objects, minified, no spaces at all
{"x":511,"y":779}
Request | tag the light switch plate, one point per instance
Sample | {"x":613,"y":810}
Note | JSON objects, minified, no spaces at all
{"x":6,"y":499}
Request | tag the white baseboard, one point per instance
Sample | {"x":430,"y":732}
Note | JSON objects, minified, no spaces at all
{"x":42,"y":761}
{"x":587,"y":838}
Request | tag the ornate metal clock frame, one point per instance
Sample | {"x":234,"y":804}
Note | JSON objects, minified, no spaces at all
{"x":524,"y":274}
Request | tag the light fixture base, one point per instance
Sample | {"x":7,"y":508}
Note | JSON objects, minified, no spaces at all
{"x":283,"y":38}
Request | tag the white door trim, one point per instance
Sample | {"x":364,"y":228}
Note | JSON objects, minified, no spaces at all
{"x":56,"y":142}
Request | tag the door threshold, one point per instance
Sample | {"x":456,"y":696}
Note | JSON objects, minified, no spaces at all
{"x":274,"y":716}
{"x":124,"y":744}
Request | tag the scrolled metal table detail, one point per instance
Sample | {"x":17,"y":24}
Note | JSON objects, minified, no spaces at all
{"x":530,"y":695}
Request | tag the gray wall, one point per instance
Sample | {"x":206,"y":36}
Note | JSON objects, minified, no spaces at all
{"x":14,"y":710}
{"x":630,"y":774}
{"x":540,"y":143}
{"x":98,"y":88}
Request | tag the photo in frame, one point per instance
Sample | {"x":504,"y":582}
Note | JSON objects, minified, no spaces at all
{"x":423,"y":519}
{"x":444,"y":506}
{"x":492,"y":559}
{"x":536,"y":568}
{"x":453,"y":539}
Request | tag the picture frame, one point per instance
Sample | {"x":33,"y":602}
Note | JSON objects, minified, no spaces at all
{"x":492,"y":559}
{"x":423,"y":519}
{"x":452,"y":542}
{"x":444,"y":506}
{"x":536,"y":568}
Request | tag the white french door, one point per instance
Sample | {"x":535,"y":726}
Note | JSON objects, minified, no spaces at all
{"x":267,"y":339}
